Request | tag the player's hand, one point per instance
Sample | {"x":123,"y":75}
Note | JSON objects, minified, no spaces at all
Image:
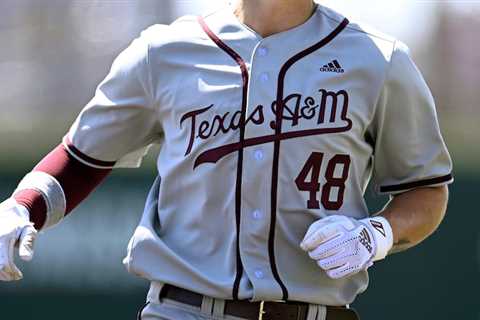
{"x":343,"y":246}
{"x":15,"y":231}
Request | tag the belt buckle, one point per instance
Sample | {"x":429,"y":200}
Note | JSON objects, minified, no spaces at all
{"x":261,"y":312}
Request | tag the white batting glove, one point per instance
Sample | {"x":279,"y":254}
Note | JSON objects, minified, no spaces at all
{"x":343,"y":246}
{"x":15,"y":229}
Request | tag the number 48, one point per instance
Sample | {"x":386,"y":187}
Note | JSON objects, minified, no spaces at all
{"x":314,"y":164}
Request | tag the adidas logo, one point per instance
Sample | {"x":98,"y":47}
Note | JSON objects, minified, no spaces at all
{"x":365,"y":240}
{"x":333,"y":66}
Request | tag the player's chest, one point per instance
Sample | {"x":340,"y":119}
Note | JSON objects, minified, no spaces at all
{"x":319,"y":98}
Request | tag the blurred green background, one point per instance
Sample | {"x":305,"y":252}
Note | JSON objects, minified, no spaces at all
{"x":53,"y":54}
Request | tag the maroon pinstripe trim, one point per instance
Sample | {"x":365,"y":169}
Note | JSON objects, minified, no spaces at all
{"x":86,"y":158}
{"x":276,"y":148}
{"x":416,"y":184}
{"x":238,"y":187}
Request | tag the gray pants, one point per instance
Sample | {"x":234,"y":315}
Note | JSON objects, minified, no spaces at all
{"x":212,"y":309}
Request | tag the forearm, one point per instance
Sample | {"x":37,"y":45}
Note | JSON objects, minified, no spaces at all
{"x":63,"y":177}
{"x":414,"y":215}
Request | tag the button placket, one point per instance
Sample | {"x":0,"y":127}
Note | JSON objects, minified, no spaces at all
{"x":254,"y":219}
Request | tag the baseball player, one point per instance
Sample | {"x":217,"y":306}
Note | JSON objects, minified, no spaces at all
{"x":272,"y":116}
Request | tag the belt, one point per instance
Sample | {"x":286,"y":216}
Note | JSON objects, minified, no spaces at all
{"x":252,"y":310}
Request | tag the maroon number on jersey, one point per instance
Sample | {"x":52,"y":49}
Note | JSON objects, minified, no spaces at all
{"x":313,"y":165}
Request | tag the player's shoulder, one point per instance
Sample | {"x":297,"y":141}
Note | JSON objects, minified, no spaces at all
{"x":183,"y":29}
{"x":362,"y":34}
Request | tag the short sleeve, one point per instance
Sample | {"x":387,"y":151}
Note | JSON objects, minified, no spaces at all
{"x":118,"y":125}
{"x":409,"y":151}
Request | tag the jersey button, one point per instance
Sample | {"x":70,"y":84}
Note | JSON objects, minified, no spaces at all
{"x":262,"y":51}
{"x":257,"y":214}
{"x":258,"y":155}
{"x":264,"y":77}
{"x":259,"y":274}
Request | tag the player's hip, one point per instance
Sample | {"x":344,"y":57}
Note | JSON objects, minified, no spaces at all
{"x":173,"y":303}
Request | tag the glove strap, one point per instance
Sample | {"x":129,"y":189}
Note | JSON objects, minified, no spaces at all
{"x":383,"y":235}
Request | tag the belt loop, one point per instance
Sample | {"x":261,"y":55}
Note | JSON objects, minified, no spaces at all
{"x":218,"y":308}
{"x":154,"y":292}
{"x":261,"y":311}
{"x":321,"y":313}
{"x":207,"y":305}
{"x":312,"y":312}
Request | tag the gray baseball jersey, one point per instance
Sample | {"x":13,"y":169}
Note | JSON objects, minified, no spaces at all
{"x":260,"y":137}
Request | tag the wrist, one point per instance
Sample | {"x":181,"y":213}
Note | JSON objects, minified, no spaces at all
{"x":43,"y":197}
{"x":382,"y":233}
{"x":12,"y":207}
{"x":22,"y":211}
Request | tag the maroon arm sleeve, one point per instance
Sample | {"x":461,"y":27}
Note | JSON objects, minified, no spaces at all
{"x":78,"y":180}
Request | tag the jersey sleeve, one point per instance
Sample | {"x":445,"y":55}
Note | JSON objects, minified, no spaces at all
{"x":118,"y":125}
{"x":409,"y":151}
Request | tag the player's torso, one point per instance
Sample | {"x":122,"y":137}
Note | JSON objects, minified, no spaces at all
{"x":261,"y":138}
{"x":329,"y":85}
